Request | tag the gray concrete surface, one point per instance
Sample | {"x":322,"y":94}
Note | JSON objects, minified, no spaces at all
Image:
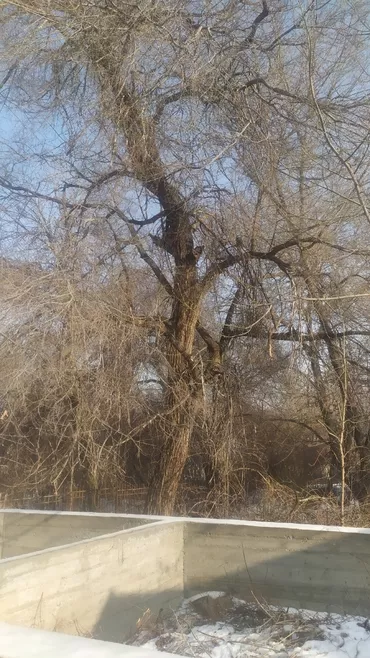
{"x":25,"y":532}
{"x":19,"y":642}
{"x":101,"y":586}
{"x":298,"y":566}
{"x":98,"y":587}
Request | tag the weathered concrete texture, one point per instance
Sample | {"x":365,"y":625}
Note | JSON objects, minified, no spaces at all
{"x":101,"y":586}
{"x":18,"y":642}
{"x":23,"y":532}
{"x":97,"y":587}
{"x":318,"y":569}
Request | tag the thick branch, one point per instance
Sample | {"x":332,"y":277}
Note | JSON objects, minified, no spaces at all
{"x":290,"y":29}
{"x":277,"y":90}
{"x":214,"y":350}
{"x":300,"y":423}
{"x":145,"y":256}
{"x":25,"y":191}
{"x":139,"y":130}
{"x":167,"y":100}
{"x":293,"y":334}
{"x":60,"y":201}
{"x":8,"y":74}
{"x":234,"y":258}
{"x":225,"y":338}
{"x":257,"y":21}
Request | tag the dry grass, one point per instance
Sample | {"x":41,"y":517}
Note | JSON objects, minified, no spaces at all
{"x":202,"y":623}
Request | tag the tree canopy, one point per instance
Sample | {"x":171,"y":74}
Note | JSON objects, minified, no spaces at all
{"x":184,"y":199}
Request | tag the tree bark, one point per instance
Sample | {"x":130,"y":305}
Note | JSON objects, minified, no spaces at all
{"x":182,"y":391}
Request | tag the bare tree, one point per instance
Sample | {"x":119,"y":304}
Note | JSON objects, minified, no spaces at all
{"x":221,"y":144}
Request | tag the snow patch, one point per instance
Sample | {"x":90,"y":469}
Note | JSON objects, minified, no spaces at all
{"x":251,"y":631}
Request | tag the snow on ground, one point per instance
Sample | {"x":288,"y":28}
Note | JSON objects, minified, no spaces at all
{"x":236,"y":629}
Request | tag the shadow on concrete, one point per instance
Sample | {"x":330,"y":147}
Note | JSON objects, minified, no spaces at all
{"x":117,"y":621}
{"x":323,"y":570}
{"x":310,"y":571}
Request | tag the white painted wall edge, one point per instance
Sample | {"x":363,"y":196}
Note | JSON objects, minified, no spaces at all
{"x":19,"y":642}
{"x":189,"y":519}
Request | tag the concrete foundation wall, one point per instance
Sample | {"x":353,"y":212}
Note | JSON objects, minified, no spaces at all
{"x":97,"y":587}
{"x":303,"y":567}
{"x":25,"y":532}
{"x":101,"y":586}
{"x":19,"y":642}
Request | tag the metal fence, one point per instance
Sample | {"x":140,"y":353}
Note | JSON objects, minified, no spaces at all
{"x":124,"y":500}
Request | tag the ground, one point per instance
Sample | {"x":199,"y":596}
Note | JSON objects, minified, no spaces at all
{"x":217,"y":625}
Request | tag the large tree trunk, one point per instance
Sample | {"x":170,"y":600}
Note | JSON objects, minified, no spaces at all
{"x":182,"y":391}
{"x":165,"y":482}
{"x":140,"y":130}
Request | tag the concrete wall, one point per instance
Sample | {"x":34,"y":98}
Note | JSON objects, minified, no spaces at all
{"x":18,"y":642}
{"x":300,"y":566}
{"x":102,"y":586}
{"x":25,"y":532}
{"x":97,"y":587}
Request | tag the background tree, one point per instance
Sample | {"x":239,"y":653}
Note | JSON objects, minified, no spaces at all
{"x":218,"y":152}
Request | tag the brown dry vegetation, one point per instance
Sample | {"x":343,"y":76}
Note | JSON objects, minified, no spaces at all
{"x":184,"y":231}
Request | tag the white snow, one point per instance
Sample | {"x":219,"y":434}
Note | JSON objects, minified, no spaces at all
{"x":344,"y":638}
{"x":339,"y":636}
{"x":212,"y":595}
